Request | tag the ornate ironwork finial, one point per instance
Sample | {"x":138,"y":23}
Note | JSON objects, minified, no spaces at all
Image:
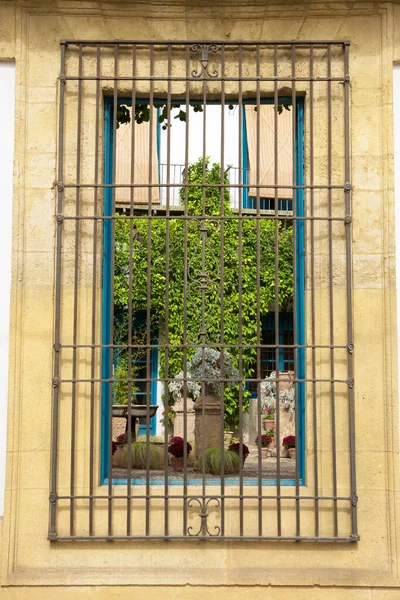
{"x":205,"y":49}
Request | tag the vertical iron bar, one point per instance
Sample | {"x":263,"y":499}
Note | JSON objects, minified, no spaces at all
{"x":258,"y":298}
{"x":203,"y":333}
{"x":240,"y":295}
{"x":276,"y":283}
{"x":354,"y":533}
{"x":94,"y":294}
{"x":331,"y":301}
{"x":111,"y":321}
{"x":130,"y":308}
{"x":148,"y":293}
{"x":167,"y":245}
{"x":221,"y":281}
{"x":57,"y":315}
{"x":296,"y":293}
{"x":75,"y":301}
{"x":312,"y":284}
{"x":185,"y":291}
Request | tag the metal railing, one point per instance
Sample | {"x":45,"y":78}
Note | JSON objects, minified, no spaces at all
{"x":205,"y":278}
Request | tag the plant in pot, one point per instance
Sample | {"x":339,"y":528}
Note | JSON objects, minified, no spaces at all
{"x":265,"y":441}
{"x":268,"y":418}
{"x":208,"y":365}
{"x":141,"y":453}
{"x":289,"y":443}
{"x":212,"y":459}
{"x":235,"y":447}
{"x":268,"y":395}
{"x":177,"y":449}
{"x":271,"y":433}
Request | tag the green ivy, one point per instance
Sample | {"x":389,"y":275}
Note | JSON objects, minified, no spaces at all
{"x":238,"y":315}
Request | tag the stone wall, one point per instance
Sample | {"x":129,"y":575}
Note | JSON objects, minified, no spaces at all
{"x":30,"y":33}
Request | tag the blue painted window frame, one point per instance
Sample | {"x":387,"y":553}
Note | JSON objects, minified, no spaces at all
{"x":106,"y":336}
{"x":299,"y":282}
{"x":250,"y":202}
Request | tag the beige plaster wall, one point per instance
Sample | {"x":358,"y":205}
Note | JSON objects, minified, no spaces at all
{"x":30,"y":32}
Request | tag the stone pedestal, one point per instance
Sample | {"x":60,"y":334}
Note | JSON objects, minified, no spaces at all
{"x":178,"y":409}
{"x":210,"y":425}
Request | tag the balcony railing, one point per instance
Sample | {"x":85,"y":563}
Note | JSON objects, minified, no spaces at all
{"x":176,"y":176}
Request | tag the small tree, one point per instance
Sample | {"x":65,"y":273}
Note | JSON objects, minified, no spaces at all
{"x":222,"y":296}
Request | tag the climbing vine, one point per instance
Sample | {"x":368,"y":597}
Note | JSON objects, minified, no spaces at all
{"x":219,"y":257}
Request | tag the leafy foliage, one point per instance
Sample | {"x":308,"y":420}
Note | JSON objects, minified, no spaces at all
{"x":142,"y":113}
{"x":213,"y":458}
{"x":139,"y":452}
{"x":204,"y":252}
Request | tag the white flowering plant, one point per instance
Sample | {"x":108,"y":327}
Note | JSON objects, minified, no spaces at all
{"x":268,"y":395}
{"x":209,"y":366}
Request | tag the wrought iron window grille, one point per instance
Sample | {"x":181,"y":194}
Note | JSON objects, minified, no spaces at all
{"x":288,"y":199}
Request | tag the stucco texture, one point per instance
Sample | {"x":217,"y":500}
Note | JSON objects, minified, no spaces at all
{"x":30,"y":33}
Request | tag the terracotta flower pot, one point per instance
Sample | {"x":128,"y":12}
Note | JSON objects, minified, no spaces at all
{"x":264,"y":452}
{"x":292,"y":452}
{"x":228,"y":437}
{"x":269,"y":424}
{"x":177,"y":463}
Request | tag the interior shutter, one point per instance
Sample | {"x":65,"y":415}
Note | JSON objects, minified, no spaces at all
{"x":142,"y":154}
{"x":267,"y":153}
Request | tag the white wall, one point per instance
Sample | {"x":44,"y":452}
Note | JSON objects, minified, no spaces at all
{"x":7,"y":100}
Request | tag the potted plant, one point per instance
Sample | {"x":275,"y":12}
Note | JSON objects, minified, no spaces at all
{"x":271,"y":433}
{"x":265,"y":441}
{"x":176,"y":448}
{"x":286,"y":393}
{"x":235,"y":447}
{"x":212,"y":458}
{"x":228,"y":436}
{"x":140,"y":453}
{"x":268,"y":418}
{"x":289,"y":443}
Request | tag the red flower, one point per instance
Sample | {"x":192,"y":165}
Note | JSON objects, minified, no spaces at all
{"x":236,"y":448}
{"x":289,"y":441}
{"x":265,"y":440}
{"x":114,"y":447}
{"x":177,"y":445}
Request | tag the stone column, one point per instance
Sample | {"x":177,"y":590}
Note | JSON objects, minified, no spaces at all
{"x":211,"y":426}
{"x":178,"y":409}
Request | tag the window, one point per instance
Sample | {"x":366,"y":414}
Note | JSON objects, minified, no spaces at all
{"x":202,"y":282}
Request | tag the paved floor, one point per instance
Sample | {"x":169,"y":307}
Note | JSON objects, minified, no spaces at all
{"x":269,"y":470}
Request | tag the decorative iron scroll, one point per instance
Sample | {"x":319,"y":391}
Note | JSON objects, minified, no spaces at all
{"x":204,"y":278}
{"x":205,"y":48}
{"x":204,"y":530}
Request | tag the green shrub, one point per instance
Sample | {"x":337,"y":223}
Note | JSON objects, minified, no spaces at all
{"x":139,"y":456}
{"x":212,"y":461}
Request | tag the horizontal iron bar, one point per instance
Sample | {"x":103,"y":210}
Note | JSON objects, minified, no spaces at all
{"x":211,"y":496}
{"x":210,"y":345}
{"x":193,"y":538}
{"x":297,"y":43}
{"x":214,"y":79}
{"x":199,"y":379}
{"x":182,"y":217}
{"x":202,"y":185}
